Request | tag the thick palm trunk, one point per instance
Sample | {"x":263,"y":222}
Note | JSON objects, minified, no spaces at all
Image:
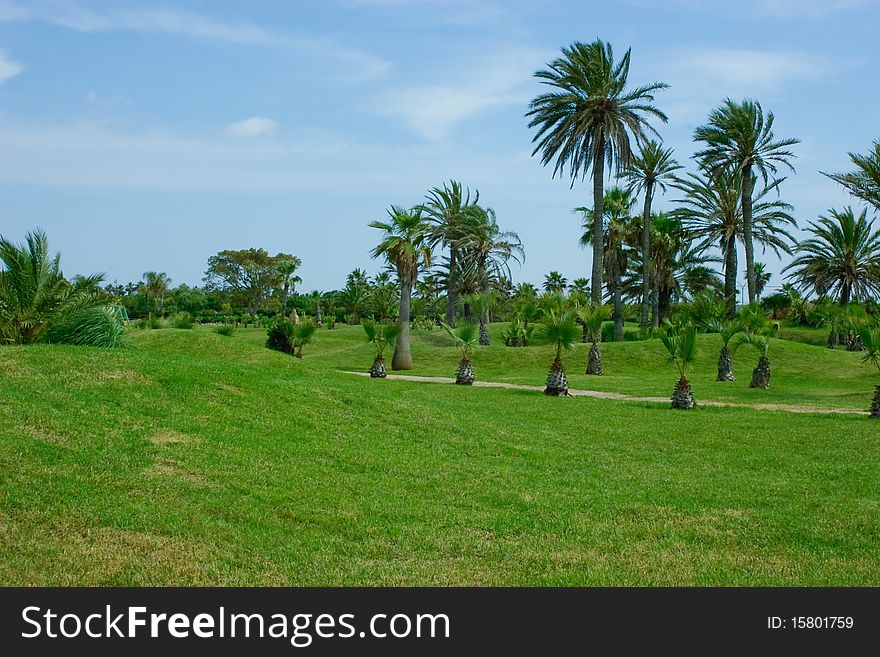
{"x":594,"y":360}
{"x":451,"y":287}
{"x":618,"y":312}
{"x":725,"y":366}
{"x":557,"y":382}
{"x":465,"y":374}
{"x":484,"y":328}
{"x":730,"y":276}
{"x":655,"y":308}
{"x":875,"y":404}
{"x":747,"y":232}
{"x":761,"y":374}
{"x":598,"y":221}
{"x":378,"y":371}
{"x":402,"y":359}
{"x":646,"y":256}
{"x":683,"y":396}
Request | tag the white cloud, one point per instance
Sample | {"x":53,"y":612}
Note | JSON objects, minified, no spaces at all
{"x":83,"y":18}
{"x":8,"y":68}
{"x":254,"y":126}
{"x":433,"y":111}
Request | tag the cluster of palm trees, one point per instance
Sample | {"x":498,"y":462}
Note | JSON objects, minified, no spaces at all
{"x":477,"y":264}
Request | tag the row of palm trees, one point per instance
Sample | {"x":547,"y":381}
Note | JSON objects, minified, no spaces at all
{"x":479,"y":257}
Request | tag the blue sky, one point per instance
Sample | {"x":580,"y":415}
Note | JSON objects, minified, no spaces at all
{"x":148,"y":136}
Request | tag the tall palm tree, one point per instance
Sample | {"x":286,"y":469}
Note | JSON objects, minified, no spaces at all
{"x":738,"y":136}
{"x":581,"y":285}
{"x":618,"y":233}
{"x":286,"y":270}
{"x":762,"y":277}
{"x":155,"y":286}
{"x":405,"y":245}
{"x":864,"y":182}
{"x":842,"y":257}
{"x":589,"y":119}
{"x":555,"y":283}
{"x":485,"y":255}
{"x":450,"y":210}
{"x":711,"y":213}
{"x":651,"y":169}
{"x":34,"y":295}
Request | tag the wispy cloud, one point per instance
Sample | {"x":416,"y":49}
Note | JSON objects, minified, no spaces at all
{"x":760,"y":9}
{"x":254,"y":126}
{"x":85,"y":18}
{"x":8,"y":68}
{"x":434,"y":110}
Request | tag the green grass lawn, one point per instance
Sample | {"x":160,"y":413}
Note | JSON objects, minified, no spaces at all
{"x":192,"y":458}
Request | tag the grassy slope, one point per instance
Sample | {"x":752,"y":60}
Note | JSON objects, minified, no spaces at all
{"x":197,"y":459}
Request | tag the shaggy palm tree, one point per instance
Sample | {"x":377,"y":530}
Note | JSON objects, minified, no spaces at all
{"x":681,"y":348}
{"x":761,"y":373}
{"x":871,"y":339}
{"x":561,"y":331}
{"x":554,"y":283}
{"x":405,"y":245}
{"x":711,"y":213}
{"x":284,"y":335}
{"x":588,"y":119}
{"x":380,"y":336}
{"x":842,"y":257}
{"x":726,"y":330}
{"x":449,"y":209}
{"x":286,"y":270}
{"x":738,"y":136}
{"x":619,"y":232}
{"x":155,"y":286}
{"x":864,"y":182}
{"x":302,"y":335}
{"x":592,"y":319}
{"x":34,"y":295}
{"x":465,"y":336}
{"x":762,"y":277}
{"x":651,"y":169}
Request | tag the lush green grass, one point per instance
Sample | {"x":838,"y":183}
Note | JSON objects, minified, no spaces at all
{"x":196,"y":458}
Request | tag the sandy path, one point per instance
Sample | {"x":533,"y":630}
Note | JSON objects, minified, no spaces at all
{"x":620,"y":397}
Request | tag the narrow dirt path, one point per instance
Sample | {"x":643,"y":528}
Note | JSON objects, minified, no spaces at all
{"x":599,"y":394}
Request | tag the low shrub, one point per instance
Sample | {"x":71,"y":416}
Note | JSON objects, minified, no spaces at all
{"x":182,"y":320}
{"x":225,"y":329}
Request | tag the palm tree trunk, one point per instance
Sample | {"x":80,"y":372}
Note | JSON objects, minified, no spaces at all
{"x":655,"y":308}
{"x":646,"y":255}
{"x":598,"y":221}
{"x":747,"y":232}
{"x":484,"y":328}
{"x":761,"y":374}
{"x":618,"y":312}
{"x":730,"y":276}
{"x":402,"y":359}
{"x":451,"y":287}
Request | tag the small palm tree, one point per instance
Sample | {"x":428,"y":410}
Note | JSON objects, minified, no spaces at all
{"x":871,"y":339}
{"x":588,"y":119}
{"x":726,"y":330}
{"x":465,"y":336}
{"x":651,"y":169}
{"x":34,"y":295}
{"x":302,"y":335}
{"x":380,"y":336}
{"x":286,"y":270}
{"x":284,"y":335}
{"x":681,"y":347}
{"x":561,"y":331}
{"x":592,"y":318}
{"x":405,"y":245}
{"x":483,"y":303}
{"x":761,"y":373}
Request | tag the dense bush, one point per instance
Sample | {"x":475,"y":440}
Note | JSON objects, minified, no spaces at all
{"x":280,"y":335}
{"x":93,"y":327}
{"x":182,"y":320}
{"x":225,"y":329}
